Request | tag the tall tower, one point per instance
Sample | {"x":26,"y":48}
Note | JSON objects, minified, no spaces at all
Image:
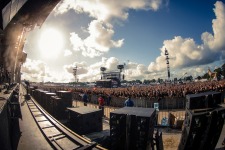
{"x":103,"y":69}
{"x":75,"y":73}
{"x":120,"y":67}
{"x":167,"y":63}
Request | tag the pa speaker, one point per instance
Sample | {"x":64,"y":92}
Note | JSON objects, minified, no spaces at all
{"x":132,"y":128}
{"x":195,"y":101}
{"x":202,"y":129}
{"x":117,"y":131}
{"x":203,"y":100}
{"x":217,"y":97}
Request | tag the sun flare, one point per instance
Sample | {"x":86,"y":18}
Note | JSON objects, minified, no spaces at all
{"x":51,"y":43}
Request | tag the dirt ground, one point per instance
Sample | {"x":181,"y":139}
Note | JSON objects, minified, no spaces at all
{"x":171,"y":142}
{"x":171,"y":139}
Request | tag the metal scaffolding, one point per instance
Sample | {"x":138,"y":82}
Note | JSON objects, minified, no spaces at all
{"x":167,"y":63}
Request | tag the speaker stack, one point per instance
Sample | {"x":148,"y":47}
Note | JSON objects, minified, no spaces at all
{"x":203,"y":100}
{"x":66,"y":97}
{"x":84,"y":120}
{"x":48,"y":102}
{"x":57,"y":110}
{"x":203,"y":122}
{"x":132,"y":128}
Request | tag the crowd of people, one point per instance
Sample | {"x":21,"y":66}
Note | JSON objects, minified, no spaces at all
{"x":149,"y":91}
{"x":156,"y":91}
{"x":153,"y":91}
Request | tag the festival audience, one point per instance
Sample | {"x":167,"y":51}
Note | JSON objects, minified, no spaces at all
{"x":152,"y":91}
{"x":155,"y":91}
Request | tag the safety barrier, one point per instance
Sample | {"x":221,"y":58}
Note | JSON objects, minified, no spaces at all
{"x":166,"y":106}
{"x":107,"y":109}
{"x":179,"y":114}
{"x":167,"y":103}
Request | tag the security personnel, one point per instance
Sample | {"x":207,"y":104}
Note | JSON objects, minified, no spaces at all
{"x":85,"y":98}
{"x":129,"y":102}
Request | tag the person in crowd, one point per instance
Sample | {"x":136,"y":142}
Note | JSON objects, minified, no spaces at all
{"x":129,"y":102}
{"x":85,"y":98}
{"x":108,"y":100}
{"x":101,"y":102}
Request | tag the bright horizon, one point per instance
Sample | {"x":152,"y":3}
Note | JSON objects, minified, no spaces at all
{"x":94,"y":34}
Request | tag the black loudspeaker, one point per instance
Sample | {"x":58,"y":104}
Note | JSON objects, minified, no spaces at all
{"x":57,"y":109}
{"x":66,"y":98}
{"x":213,"y":98}
{"x":85,"y":120}
{"x":117,"y":131}
{"x":217,"y":97}
{"x":203,"y":100}
{"x":41,"y":98}
{"x":132,"y":128}
{"x":214,"y":131}
{"x":209,"y":102}
{"x":195,"y":101}
{"x":202,"y":129}
{"x":47,"y":100}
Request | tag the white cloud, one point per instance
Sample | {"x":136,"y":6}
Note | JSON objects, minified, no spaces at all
{"x":81,"y":68}
{"x":67,"y":53}
{"x":98,"y":42}
{"x":34,"y":70}
{"x":111,"y":63}
{"x":199,"y":70}
{"x":106,"y":10}
{"x":100,"y":29}
{"x":134,"y":71}
{"x":76,"y":42}
{"x":37,"y":71}
{"x":184,"y":52}
{"x":216,"y":42}
{"x":91,"y":73}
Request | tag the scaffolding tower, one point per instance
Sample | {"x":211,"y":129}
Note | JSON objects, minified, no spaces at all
{"x":167,"y":63}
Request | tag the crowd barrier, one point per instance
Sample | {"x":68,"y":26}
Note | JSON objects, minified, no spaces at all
{"x":164,"y":114}
{"x":164,"y":103}
{"x":166,"y":106}
{"x":107,"y":109}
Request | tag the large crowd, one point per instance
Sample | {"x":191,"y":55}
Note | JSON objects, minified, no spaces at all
{"x":168,"y":96}
{"x":145,"y":92}
{"x":156,"y":91}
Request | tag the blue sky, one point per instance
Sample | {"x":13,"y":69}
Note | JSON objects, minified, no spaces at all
{"x":92,"y":34}
{"x":179,"y":18}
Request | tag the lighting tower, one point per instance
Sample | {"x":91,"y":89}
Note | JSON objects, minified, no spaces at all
{"x":103,"y":69}
{"x":120,"y":67}
{"x":75,"y":73}
{"x":167,"y":63}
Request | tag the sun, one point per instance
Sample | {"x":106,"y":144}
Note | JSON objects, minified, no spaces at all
{"x":51,"y":43}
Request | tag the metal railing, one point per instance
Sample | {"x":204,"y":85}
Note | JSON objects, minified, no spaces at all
{"x":167,"y":103}
{"x":178,"y":114}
